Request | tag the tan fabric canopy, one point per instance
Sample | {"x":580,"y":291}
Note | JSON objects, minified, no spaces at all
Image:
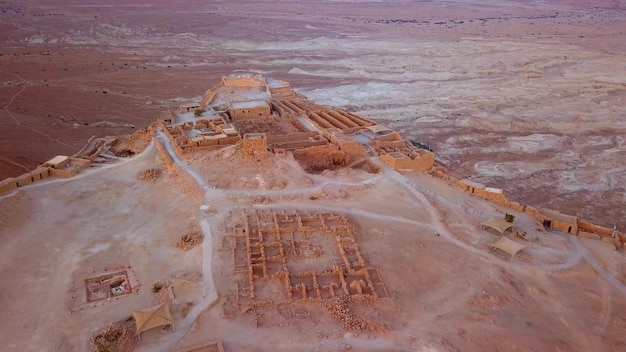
{"x":506,"y":245}
{"x":150,"y":318}
{"x":185,"y":289}
{"x":499,"y":225}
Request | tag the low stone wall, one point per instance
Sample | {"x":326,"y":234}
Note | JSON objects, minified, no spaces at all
{"x":206,"y":143}
{"x":558,"y":222}
{"x":291,"y":137}
{"x":319,"y":158}
{"x":353,"y":148}
{"x":585,"y":226}
{"x":65,"y":173}
{"x":75,"y":165}
{"x":300,"y":144}
{"x":390,"y":144}
{"x":163,"y":154}
{"x":207,"y":97}
{"x":418,"y":161}
{"x":253,"y":146}
{"x":484,"y":193}
{"x":7,"y":185}
{"x":228,"y":140}
{"x":85,"y":147}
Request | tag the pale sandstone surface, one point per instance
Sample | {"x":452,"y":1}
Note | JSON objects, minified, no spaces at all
{"x":446,"y":292}
{"x":56,"y":235}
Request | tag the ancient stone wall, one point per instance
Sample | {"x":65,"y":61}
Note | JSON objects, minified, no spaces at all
{"x":74,"y":166}
{"x":70,"y":167}
{"x":163,"y":154}
{"x":585,"y":226}
{"x":40,"y":173}
{"x":390,"y":144}
{"x":172,"y":138}
{"x":345,"y":143}
{"x":253,"y":112}
{"x":62,"y":173}
{"x":254,"y":146}
{"x":549,"y":218}
{"x":7,"y":185}
{"x":208,"y":97}
{"x":319,"y":158}
{"x":417,"y":161}
{"x":485,"y":193}
{"x":291,"y":137}
{"x":563,"y":226}
{"x":167,"y":117}
{"x":228,"y":140}
{"x":300,"y":144}
{"x":392,"y":136}
{"x":189,"y":107}
{"x":206,"y":142}
{"x":422,"y":160}
{"x":389,"y":160}
{"x":252,"y":81}
{"x":352,"y":148}
{"x":266,"y":246}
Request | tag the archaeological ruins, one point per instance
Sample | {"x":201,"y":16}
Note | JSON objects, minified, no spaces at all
{"x":310,"y":257}
{"x":265,"y":116}
{"x":271,"y":254}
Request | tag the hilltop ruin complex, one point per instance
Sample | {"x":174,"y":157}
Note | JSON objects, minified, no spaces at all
{"x":257,"y":211}
{"x":264,"y":116}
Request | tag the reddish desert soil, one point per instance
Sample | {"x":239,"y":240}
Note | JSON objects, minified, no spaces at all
{"x":519,"y":95}
{"x":514,"y":94}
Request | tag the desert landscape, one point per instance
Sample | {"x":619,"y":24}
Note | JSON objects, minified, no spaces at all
{"x":313,"y":175}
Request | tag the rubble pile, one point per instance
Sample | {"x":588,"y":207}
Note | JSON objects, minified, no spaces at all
{"x":119,"y":336}
{"x":340,"y":310}
{"x":162,"y":292}
{"x":133,"y":144}
{"x":149,"y":175}
{"x":189,"y":240}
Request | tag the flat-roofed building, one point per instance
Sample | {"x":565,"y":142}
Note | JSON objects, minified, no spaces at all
{"x":249,"y":110}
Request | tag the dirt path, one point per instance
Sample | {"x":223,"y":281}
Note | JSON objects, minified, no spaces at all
{"x":6,"y":110}
{"x":210,"y":294}
{"x":575,"y":256}
{"x":214,"y":196}
{"x":589,"y":258}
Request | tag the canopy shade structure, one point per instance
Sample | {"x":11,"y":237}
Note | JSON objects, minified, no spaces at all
{"x":499,"y":225}
{"x":150,"y":318}
{"x":506,"y":245}
{"x":185,"y":290}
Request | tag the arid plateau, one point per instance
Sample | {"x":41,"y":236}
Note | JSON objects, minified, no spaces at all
{"x":195,"y":176}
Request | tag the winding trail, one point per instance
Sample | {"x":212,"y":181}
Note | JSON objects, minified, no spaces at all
{"x":576,"y":255}
{"x":210,"y":294}
{"x":17,"y":122}
{"x":213,"y":195}
{"x":299,"y":191}
{"x":599,"y":268}
{"x":15,"y":163}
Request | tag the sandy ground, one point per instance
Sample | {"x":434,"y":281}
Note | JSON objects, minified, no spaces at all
{"x":446,"y":291}
{"x":56,"y":235}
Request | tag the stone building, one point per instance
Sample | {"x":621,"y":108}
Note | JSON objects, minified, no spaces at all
{"x":249,"y":110}
{"x":254,"y":146}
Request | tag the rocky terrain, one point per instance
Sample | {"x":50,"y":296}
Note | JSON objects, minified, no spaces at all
{"x":524,"y":96}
